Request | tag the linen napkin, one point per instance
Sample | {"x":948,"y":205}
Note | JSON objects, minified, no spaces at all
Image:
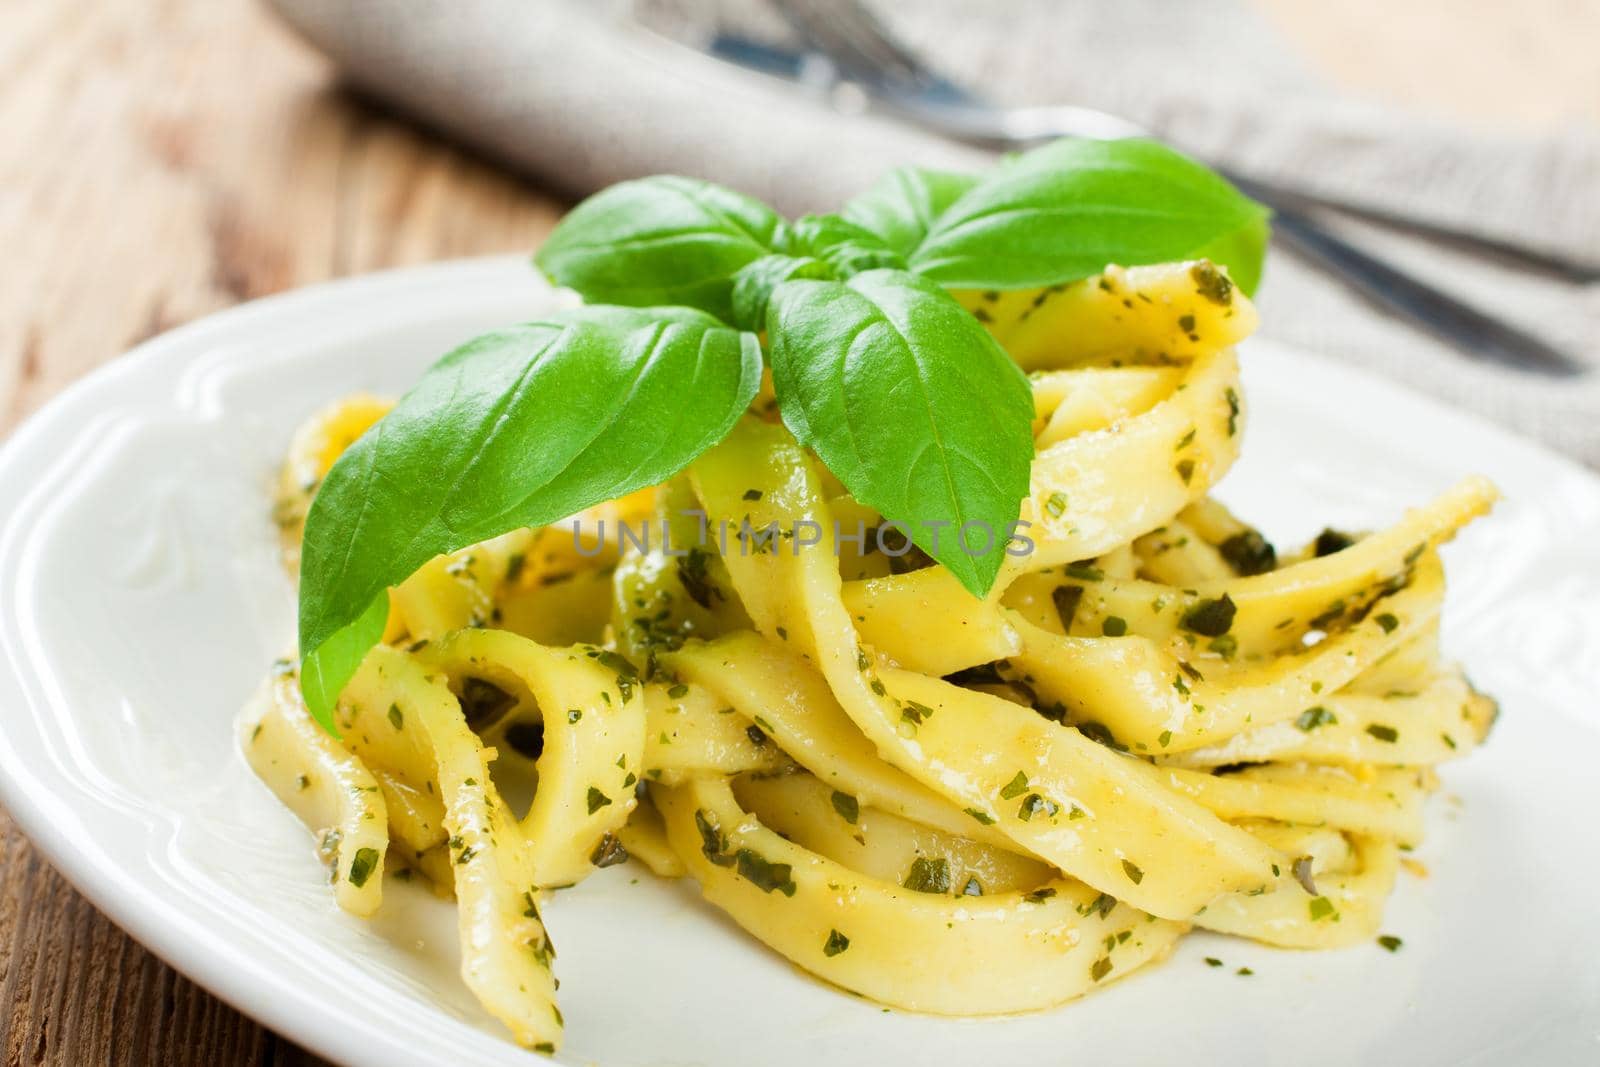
{"x":581,"y":95}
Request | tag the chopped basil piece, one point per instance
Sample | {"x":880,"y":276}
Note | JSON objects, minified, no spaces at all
{"x":1103,"y":904}
{"x":982,"y":816}
{"x":835,"y":944}
{"x":752,"y":494}
{"x":1113,"y":626}
{"x":1185,"y":470}
{"x":1101,"y":968}
{"x":1211,"y":618}
{"x":1312,"y":718}
{"x":765,"y":874}
{"x":1383,"y":733}
{"x":397,"y":718}
{"x":1056,"y":505}
{"x":1016,"y":787}
{"x":847,"y":806}
{"x":514,"y":564}
{"x":1330,"y":541}
{"x":1390,"y":942}
{"x":362,"y":866}
{"x":928,"y":875}
{"x":597,"y":800}
{"x":1212,"y":961}
{"x":1321,"y":908}
{"x":712,"y":844}
{"x":1212,"y":283}
{"x":1249,"y":553}
{"x":1244,"y":972}
{"x":1135,"y":875}
{"x":1388,"y":622}
{"x":694,"y":576}
{"x":1100,"y":733}
{"x":1166,"y":738}
{"x":1033,"y":804}
{"x":1084,"y":571}
{"x":678,"y":691}
{"x":1040,"y":895}
{"x":609,"y":852}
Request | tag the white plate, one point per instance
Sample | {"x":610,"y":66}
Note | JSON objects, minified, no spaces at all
{"x":141,"y":601}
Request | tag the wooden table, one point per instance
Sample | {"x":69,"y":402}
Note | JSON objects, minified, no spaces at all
{"x":161,"y":159}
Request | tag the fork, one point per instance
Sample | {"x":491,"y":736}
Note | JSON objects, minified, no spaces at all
{"x":861,"y":50}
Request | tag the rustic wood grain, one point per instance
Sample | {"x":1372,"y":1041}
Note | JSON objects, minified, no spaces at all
{"x":160,"y":159}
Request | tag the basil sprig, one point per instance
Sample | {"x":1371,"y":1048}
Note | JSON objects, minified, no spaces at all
{"x":902,"y":393}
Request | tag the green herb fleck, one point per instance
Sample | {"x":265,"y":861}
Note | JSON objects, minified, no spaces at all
{"x":1016,"y":787}
{"x":1383,"y":733}
{"x":765,"y":874}
{"x":608,"y":852}
{"x":928,"y":875}
{"x":1312,"y":718}
{"x":362,"y":866}
{"x":1210,"y":618}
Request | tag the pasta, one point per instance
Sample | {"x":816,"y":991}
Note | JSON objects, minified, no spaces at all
{"x":947,"y":804}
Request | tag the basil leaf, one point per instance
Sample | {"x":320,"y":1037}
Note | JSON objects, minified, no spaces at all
{"x":519,"y":427}
{"x":902,"y":206}
{"x":846,"y":248}
{"x":1065,"y":211}
{"x":660,"y":240}
{"x":912,"y":405}
{"x":753,"y":285}
{"x":1243,"y":252}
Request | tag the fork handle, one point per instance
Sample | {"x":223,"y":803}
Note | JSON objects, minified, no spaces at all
{"x":1462,"y":326}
